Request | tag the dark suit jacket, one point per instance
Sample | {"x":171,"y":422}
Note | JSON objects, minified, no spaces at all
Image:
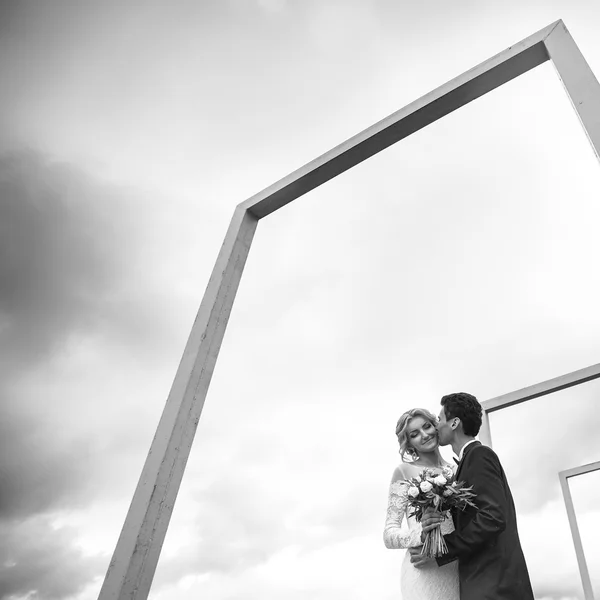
{"x":491,"y":564}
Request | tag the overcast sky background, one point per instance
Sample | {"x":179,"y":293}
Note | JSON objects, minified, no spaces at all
{"x":463,"y":258}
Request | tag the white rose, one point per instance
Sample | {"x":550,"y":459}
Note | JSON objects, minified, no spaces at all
{"x":447,"y":473}
{"x":425,"y":486}
{"x":413,"y":491}
{"x":440,"y":480}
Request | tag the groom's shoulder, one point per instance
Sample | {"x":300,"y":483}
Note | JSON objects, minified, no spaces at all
{"x":481,"y":451}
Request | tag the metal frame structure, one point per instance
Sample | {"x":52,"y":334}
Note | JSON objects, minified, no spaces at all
{"x":564,"y":484}
{"x":535,"y":391}
{"x":136,"y":555}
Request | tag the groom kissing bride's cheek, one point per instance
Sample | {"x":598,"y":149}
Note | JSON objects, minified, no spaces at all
{"x":467,"y":508}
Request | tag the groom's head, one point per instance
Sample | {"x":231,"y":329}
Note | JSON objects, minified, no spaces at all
{"x":460,"y":415}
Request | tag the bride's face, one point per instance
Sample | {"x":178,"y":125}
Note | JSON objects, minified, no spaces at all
{"x":422,"y":435}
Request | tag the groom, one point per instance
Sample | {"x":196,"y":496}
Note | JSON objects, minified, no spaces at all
{"x":485,"y":542}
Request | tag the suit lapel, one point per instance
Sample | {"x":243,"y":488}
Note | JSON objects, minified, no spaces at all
{"x":462,"y":462}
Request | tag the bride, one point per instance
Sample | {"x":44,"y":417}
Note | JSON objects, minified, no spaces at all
{"x":419,"y":449}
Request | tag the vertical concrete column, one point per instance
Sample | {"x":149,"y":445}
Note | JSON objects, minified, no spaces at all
{"x":579,"y":81}
{"x":135,"y":558}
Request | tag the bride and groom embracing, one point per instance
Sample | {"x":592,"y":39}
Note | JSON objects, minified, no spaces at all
{"x":484,"y":559}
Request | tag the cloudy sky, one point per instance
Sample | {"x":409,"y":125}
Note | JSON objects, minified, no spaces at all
{"x":463,"y":258}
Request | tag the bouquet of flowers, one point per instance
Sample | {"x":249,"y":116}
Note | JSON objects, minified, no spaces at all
{"x":441,"y":492}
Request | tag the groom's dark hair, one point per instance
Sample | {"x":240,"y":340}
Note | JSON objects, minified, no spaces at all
{"x":467,"y":408}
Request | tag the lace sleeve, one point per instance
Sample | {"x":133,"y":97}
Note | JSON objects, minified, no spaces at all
{"x":394,"y":534}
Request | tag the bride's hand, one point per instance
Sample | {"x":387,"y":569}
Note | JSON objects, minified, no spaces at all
{"x":431,"y":519}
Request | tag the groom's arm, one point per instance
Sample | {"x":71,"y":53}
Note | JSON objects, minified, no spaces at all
{"x":485,"y":473}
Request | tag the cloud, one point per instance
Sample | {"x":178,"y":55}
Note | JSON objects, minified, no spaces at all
{"x":67,"y":252}
{"x":548,"y":547}
{"x":251,"y":489}
{"x":9,"y":12}
{"x":58,"y":270}
{"x":36,"y":473}
{"x":51,"y":263}
{"x":354,"y":568}
{"x":39,"y":560}
{"x":70,"y":294}
{"x":434,"y":266}
{"x":543,"y":428}
{"x":272,"y":6}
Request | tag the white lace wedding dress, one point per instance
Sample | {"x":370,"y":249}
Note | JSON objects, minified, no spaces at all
{"x":430,"y":582}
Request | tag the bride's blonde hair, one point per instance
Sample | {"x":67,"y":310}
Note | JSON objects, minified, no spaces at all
{"x":408,"y":454}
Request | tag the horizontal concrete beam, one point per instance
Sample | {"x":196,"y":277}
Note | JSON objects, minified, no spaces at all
{"x":465,"y":88}
{"x":542,"y":389}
